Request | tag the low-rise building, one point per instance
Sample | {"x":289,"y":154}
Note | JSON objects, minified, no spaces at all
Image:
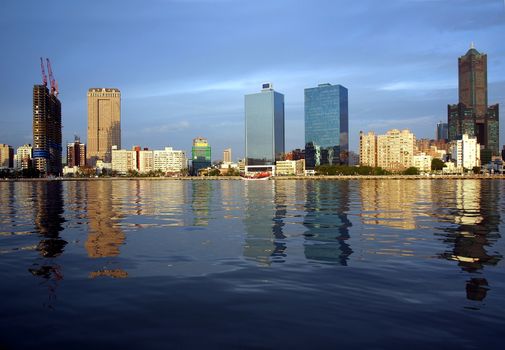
{"x":422,"y":162}
{"x":290,"y":167}
{"x":23,"y":157}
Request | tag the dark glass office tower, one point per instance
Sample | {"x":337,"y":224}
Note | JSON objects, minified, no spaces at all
{"x":264,"y":127}
{"x":326,"y":125}
{"x":46,"y":131}
{"x":473,"y":104}
{"x":442,"y":132}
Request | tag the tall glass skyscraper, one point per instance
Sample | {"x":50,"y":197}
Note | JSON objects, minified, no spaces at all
{"x":264,"y":127}
{"x":326,"y":125}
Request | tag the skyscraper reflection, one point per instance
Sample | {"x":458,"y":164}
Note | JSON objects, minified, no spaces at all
{"x":326,"y":221}
{"x":105,"y":236}
{"x":48,"y":217}
{"x":48,"y":204}
{"x":263,"y":221}
{"x":475,"y":230}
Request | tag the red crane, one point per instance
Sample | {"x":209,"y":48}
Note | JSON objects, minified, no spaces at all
{"x":44,"y":76}
{"x":53,"y":82}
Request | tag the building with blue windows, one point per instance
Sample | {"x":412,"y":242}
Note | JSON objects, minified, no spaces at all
{"x":264,"y":127}
{"x":326,"y":125}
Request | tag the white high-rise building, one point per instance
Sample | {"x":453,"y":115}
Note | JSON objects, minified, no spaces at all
{"x":169,"y":160}
{"x":146,"y":161}
{"x":466,"y":152}
{"x":123,"y":160}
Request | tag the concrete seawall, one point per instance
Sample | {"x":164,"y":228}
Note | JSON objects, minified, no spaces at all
{"x":279,"y":178}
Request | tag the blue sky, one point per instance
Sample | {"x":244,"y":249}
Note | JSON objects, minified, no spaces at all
{"x":184,"y":66}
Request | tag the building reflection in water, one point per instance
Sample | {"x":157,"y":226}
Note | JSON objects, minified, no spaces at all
{"x":201,"y":192}
{"x":48,"y":204}
{"x":326,"y":221}
{"x":475,"y":213}
{"x":105,"y":236}
{"x":265,"y":209}
{"x":390,"y":203}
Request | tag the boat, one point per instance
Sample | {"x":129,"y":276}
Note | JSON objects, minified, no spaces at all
{"x":265,"y":175}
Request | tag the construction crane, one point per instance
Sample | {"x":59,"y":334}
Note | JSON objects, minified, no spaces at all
{"x":44,"y":76}
{"x":52,"y":81}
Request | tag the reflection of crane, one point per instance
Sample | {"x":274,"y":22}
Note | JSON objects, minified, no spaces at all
{"x":44,"y":76}
{"x":53,"y":82}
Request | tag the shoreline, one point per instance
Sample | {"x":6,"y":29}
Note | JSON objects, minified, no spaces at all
{"x":277,"y":178}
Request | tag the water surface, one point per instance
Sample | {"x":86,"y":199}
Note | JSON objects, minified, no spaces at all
{"x":244,"y":264}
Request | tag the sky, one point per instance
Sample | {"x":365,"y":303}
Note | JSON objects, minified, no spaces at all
{"x":184,"y":66}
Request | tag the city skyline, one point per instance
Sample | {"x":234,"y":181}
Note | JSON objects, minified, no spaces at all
{"x":171,"y":94}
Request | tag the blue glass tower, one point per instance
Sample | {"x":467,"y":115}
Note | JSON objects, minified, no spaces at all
{"x":326,"y":125}
{"x":264,"y":127}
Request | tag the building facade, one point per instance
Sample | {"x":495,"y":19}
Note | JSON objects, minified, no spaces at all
{"x":76,"y":153}
{"x":201,"y":155}
{"x":123,"y":161}
{"x":169,"y":161}
{"x":6,"y":156}
{"x":23,"y":157}
{"x":104,"y":124}
{"x":368,"y":149}
{"x":264,"y":127}
{"x":47,"y":147}
{"x":290,"y":167}
{"x":395,"y":150}
{"x":422,"y":162}
{"x":466,"y":152}
{"x":472,"y":115}
{"x":326,"y":125}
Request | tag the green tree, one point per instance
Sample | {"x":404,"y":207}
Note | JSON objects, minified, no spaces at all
{"x":411,"y":171}
{"x":437,"y":164}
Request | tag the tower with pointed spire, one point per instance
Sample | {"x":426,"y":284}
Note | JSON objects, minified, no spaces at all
{"x":472,"y":115}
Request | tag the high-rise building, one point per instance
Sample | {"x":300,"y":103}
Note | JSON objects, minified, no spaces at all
{"x":46,"y":130}
{"x":104,"y":123}
{"x":23,"y":157}
{"x":264,"y":127}
{"x":326,"y":125}
{"x":466,"y":152}
{"x":200,"y":155}
{"x":227,"y":155}
{"x":368,"y":149}
{"x":76,"y":153}
{"x":395,"y":150}
{"x":442,"y":131}
{"x":472,"y":115}
{"x":6,"y":156}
